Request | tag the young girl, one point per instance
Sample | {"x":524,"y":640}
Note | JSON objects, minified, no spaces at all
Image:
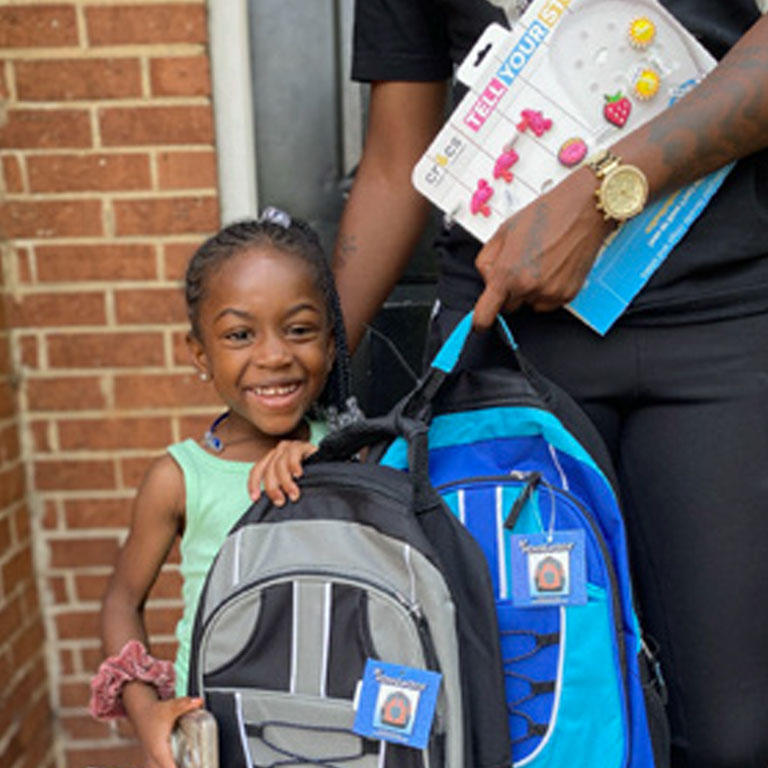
{"x":266,"y":329}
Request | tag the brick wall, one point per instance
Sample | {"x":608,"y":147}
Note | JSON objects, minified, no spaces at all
{"x":108,"y":168}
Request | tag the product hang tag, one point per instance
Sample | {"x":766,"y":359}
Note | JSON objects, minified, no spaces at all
{"x":397,"y":703}
{"x":548,"y":569}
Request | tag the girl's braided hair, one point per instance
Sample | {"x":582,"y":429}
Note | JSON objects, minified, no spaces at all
{"x":276,"y":229}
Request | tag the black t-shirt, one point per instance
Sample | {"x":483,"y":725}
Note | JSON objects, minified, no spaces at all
{"x":718,"y":269}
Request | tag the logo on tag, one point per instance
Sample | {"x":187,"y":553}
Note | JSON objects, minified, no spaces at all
{"x":548,"y":569}
{"x":397,"y":703}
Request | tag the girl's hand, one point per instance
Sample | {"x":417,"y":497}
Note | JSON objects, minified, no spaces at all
{"x":154,"y":724}
{"x":277,"y":472}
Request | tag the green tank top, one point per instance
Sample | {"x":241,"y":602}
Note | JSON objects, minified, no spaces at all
{"x":216,"y":496}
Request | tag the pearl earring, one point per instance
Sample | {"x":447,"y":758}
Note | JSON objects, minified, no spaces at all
{"x":204,"y":376}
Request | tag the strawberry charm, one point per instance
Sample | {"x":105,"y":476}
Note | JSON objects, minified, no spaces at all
{"x":617,"y":108}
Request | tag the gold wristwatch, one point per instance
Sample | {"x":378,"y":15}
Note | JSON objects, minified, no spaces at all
{"x":623,"y":189}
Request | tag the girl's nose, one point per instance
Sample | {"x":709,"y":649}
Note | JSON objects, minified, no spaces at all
{"x":271,"y":351}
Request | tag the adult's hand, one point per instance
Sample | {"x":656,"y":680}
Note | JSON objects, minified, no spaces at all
{"x":542,"y":255}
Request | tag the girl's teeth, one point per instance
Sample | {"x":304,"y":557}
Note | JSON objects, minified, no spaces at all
{"x":272,"y":391}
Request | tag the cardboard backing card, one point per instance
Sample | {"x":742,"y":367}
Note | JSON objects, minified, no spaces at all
{"x":569,"y":79}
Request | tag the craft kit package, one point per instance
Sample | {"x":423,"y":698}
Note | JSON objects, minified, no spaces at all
{"x":567,"y":81}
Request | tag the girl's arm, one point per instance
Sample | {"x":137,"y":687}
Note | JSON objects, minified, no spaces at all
{"x":158,"y":516}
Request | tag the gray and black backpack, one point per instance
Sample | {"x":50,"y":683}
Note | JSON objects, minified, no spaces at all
{"x":367,"y":564}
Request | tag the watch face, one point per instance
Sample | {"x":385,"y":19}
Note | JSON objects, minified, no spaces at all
{"x":624,"y":192}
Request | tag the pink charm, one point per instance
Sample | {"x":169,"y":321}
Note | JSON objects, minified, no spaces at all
{"x":572,"y":152}
{"x":504,"y":162}
{"x":480,"y":198}
{"x":533,"y":119}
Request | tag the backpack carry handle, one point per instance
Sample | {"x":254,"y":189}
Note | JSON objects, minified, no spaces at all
{"x":417,"y":404}
{"x":344,"y":444}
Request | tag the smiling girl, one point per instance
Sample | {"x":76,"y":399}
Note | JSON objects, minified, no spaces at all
{"x":266,"y":329}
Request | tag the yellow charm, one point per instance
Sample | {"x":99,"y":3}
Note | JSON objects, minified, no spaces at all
{"x":646,"y":85}
{"x":642,"y":31}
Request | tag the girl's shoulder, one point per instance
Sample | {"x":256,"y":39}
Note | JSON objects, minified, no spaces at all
{"x":163,"y":485}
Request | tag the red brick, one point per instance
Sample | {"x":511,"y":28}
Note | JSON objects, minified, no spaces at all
{"x":90,"y":587}
{"x":11,"y":485}
{"x":5,"y":535}
{"x":78,"y":393}
{"x":105,"y":350}
{"x":9,"y":446}
{"x":78,"y":79}
{"x":181,"y":352}
{"x":7,"y":400}
{"x":49,"y":218}
{"x":24,"y":256}
{"x":21,"y":524}
{"x":29,"y":351}
{"x":156,"y":23}
{"x":180,"y":76}
{"x":82,"y":553}
{"x":10,"y":619}
{"x":5,"y":352}
{"x":166,"y":216}
{"x":40,"y":25}
{"x":128,"y":756}
{"x":77,"y":173}
{"x":57,"y":588}
{"x":83,"y":728}
{"x":41,"y":442}
{"x":114,"y":434}
{"x":92,"y":657}
{"x":186,"y":170}
{"x":97,"y":513}
{"x":64,"y":263}
{"x":167,"y":586}
{"x":17,"y":569}
{"x":47,"y":310}
{"x":14,"y":184}
{"x":176,"y":258}
{"x":46,"y":129}
{"x":73,"y":475}
{"x":28,"y":644}
{"x":163,"y":390}
{"x":131,"y":126}
{"x":157,"y":305}
{"x":134,"y":470}
{"x":74,"y":694}
{"x":162,"y":621}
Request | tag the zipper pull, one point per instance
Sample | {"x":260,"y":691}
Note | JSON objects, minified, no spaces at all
{"x":532,"y":479}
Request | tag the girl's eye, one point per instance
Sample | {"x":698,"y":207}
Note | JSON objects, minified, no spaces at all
{"x":238,"y":336}
{"x":302,"y":330}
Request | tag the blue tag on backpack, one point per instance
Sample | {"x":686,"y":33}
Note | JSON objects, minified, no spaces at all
{"x":397,"y":703}
{"x":548,"y":569}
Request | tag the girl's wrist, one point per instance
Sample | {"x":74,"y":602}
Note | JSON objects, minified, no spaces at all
{"x":132,"y":665}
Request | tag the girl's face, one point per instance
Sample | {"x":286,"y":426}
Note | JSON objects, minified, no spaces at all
{"x":266,"y":339}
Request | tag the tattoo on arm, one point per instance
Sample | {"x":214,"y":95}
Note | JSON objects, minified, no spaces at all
{"x":716,"y":121}
{"x":346,"y":247}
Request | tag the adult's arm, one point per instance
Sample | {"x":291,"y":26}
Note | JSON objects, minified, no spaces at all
{"x":384,"y":215}
{"x":542,"y":254}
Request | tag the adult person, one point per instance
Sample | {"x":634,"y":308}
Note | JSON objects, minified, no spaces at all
{"x":678,"y":387}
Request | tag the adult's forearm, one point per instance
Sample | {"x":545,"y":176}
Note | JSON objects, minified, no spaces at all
{"x":379,"y":230}
{"x":384,"y":215}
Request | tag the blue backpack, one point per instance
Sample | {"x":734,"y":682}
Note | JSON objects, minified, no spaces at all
{"x":524,"y":470}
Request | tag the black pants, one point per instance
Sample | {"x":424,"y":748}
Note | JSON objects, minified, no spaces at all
{"x":684,"y":412}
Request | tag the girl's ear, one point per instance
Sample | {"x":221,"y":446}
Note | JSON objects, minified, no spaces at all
{"x":197,"y":354}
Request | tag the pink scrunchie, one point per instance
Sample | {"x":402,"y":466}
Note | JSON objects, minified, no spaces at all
{"x":132,"y":663}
